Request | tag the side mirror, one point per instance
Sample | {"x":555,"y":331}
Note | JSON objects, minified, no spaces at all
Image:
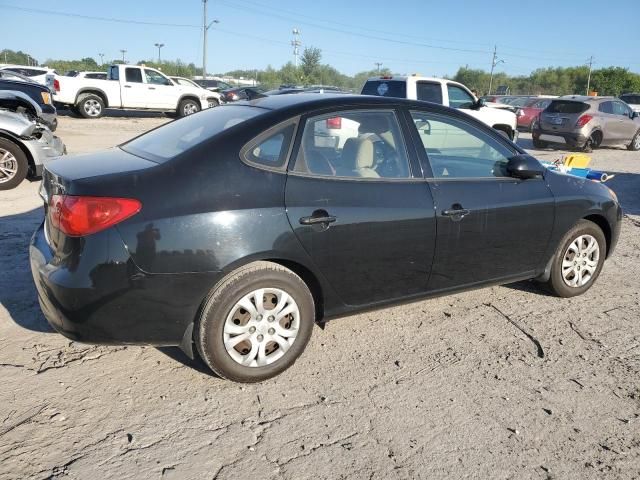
{"x":479,"y":104}
{"x":635,"y":114}
{"x":524,"y":167}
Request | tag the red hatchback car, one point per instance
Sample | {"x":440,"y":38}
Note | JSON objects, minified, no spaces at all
{"x":528,"y":113}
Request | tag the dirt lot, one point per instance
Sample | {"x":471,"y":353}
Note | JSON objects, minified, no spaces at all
{"x":445,"y":388}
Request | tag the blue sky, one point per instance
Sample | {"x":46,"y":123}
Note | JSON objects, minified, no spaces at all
{"x":427,"y":37}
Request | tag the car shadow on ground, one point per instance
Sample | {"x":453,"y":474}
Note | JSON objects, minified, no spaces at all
{"x":197,"y":364}
{"x":17,"y":291}
{"x":64,"y":112}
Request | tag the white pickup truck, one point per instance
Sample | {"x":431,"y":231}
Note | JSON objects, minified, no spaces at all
{"x":130,"y":87}
{"x":445,"y":92}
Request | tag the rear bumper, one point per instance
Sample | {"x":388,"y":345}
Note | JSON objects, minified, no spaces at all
{"x":551,"y":136}
{"x":100,"y":296}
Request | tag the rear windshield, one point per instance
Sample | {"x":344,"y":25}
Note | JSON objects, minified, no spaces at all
{"x":385,"y":88}
{"x":631,"y":99}
{"x":565,"y":106}
{"x":174,"y":138}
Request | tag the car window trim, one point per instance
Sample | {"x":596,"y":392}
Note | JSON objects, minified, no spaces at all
{"x":264,"y":135}
{"x":328,"y":111}
{"x":424,"y":156}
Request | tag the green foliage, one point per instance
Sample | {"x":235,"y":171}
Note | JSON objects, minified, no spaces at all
{"x":17,"y":58}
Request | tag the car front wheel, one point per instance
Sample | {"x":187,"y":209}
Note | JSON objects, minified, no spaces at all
{"x":188,"y":107}
{"x":578,"y":261}
{"x":255,"y":323}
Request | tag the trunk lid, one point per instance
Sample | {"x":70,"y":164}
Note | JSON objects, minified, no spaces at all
{"x":562,"y":115}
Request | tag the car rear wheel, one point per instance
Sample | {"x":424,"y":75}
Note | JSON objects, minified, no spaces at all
{"x":578,"y":261}
{"x":255,"y":323}
{"x":592,"y":142}
{"x":635,"y":143}
{"x":188,"y":107}
{"x":13,"y":165}
{"x":90,"y":106}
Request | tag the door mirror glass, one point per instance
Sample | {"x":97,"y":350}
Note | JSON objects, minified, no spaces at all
{"x":524,"y":167}
{"x":635,"y":114}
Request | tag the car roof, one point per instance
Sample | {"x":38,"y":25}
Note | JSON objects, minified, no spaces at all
{"x":583,"y":98}
{"x":301,"y":102}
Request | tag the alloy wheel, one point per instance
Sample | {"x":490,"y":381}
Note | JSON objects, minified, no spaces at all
{"x":92,"y":108}
{"x":261,"y":327}
{"x":580,"y":261}
{"x":190,"y":108}
{"x":8,"y":165}
{"x":636,"y":142}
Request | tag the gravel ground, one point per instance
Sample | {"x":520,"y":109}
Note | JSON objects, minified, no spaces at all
{"x":503,"y":382}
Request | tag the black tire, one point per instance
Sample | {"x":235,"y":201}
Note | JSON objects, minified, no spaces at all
{"x":19,"y":163}
{"x":539,"y":143}
{"x":90,"y":106}
{"x":187,"y":106}
{"x":592,"y":142}
{"x":634,"y":146}
{"x":504,"y":133}
{"x":556,"y":281}
{"x":223,"y":301}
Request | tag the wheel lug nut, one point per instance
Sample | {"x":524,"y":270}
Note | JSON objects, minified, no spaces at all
{"x":272,"y":331}
{"x":259,"y":317}
{"x":271,"y":318}
{"x":260,"y":338}
{"x":252,"y":329}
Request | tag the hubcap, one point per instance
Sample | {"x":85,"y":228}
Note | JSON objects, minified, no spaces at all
{"x":580,"y":261}
{"x":92,"y":107}
{"x":636,"y":142}
{"x":8,"y":165}
{"x":261,"y":327}
{"x":190,"y":108}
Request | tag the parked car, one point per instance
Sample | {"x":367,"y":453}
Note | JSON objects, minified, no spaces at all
{"x":25,"y":143}
{"x":94,"y":75}
{"x":271,"y":231}
{"x":631,"y":99}
{"x":42,"y":75}
{"x":130,"y":87}
{"x":243,"y":93}
{"x":444,"y":92}
{"x":587,"y":122}
{"x":214,"y":85}
{"x":37,"y":92}
{"x":215,"y":97}
{"x":530,"y":111}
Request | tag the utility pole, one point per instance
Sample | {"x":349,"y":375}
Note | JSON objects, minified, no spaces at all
{"x":123,"y":51}
{"x":378,"y":64}
{"x":159,"y":46}
{"x":494,"y":62}
{"x":295,"y":43}
{"x":205,"y":29}
{"x":101,"y":55}
{"x":589,"y":77}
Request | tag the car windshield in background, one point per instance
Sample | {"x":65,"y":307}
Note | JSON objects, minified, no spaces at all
{"x":631,"y":99}
{"x":170,"y":140}
{"x":563,"y":106}
{"x":386,"y":88}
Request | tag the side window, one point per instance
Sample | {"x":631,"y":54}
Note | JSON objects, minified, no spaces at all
{"x":154,"y":77}
{"x":114,"y":73}
{"x":458,"y":97}
{"x":271,"y":148}
{"x":429,"y":92}
{"x":606,"y":107}
{"x":457,"y":149}
{"x":620,"y":109}
{"x":133,"y":75}
{"x":353,"y":144}
{"x":542,"y":104}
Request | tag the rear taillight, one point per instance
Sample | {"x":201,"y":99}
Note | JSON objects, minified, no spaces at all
{"x":583,"y":120}
{"x":77,"y":216}
{"x":334,"y":123}
{"x":56,"y":85}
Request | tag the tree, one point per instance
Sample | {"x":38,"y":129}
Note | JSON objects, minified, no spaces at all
{"x":310,"y":63}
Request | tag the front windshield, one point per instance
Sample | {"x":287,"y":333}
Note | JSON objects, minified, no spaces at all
{"x":172,"y":139}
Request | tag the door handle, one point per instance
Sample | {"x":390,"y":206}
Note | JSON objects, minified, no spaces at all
{"x":456,"y":212}
{"x":127,"y":86}
{"x":319,"y":216}
{"x":152,"y":88}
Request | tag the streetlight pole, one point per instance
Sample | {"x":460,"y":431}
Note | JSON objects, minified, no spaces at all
{"x":123,"y":51}
{"x":101,"y":55}
{"x":159,"y":45}
{"x":494,"y":62}
{"x":589,"y":77}
{"x":378,"y":64}
{"x":205,"y":29}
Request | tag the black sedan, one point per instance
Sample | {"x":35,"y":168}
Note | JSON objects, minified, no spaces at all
{"x":236,"y":229}
{"x":37,"y":92}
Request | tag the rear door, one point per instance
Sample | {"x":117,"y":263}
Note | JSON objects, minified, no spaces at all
{"x":491,"y":227}
{"x":134,"y":91}
{"x":362,"y":211}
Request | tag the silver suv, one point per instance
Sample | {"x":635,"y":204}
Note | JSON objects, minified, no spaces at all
{"x":587,"y":122}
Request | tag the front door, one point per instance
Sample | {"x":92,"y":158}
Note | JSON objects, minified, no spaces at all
{"x":625,"y":127}
{"x":490,"y":226}
{"x":162,"y":93}
{"x":360,"y":208}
